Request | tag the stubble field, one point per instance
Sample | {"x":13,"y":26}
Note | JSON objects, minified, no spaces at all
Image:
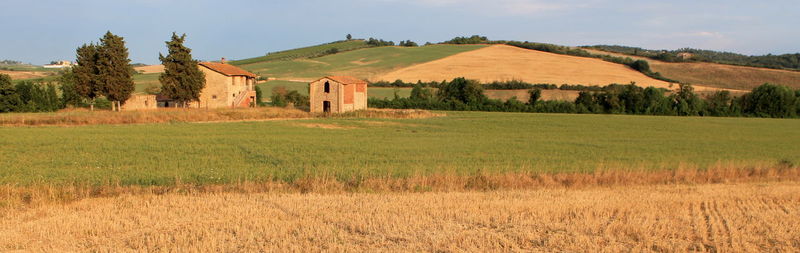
{"x":751,"y":217}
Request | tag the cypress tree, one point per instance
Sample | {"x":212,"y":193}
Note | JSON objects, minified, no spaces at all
{"x":115,"y":73}
{"x":86,"y":73}
{"x":9,"y":99}
{"x":69,"y":93}
{"x":182,"y":80}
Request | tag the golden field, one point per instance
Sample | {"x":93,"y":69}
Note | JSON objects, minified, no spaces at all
{"x":667,"y":218}
{"x":717,"y":75}
{"x":502,"y":63}
{"x":715,"y":210}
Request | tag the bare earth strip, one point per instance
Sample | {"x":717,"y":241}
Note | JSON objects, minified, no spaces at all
{"x":753,"y":217}
{"x":502,"y":63}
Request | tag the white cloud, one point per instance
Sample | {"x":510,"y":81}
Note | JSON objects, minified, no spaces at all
{"x":502,"y":7}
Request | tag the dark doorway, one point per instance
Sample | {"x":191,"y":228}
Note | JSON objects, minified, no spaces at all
{"x":326,"y":106}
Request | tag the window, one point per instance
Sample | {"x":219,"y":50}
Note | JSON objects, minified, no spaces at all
{"x":327,"y":87}
{"x":214,"y":97}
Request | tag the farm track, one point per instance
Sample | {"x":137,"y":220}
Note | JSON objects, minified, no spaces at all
{"x":707,"y":217}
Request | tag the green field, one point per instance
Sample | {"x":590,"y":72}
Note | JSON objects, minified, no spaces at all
{"x":142,"y":81}
{"x":462,"y":143}
{"x":304,"y":52}
{"x":362,"y":63}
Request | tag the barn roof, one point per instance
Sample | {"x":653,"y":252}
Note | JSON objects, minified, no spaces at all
{"x":345,"y":79}
{"x":227,"y":69}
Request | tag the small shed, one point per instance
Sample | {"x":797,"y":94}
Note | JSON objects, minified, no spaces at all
{"x":337,"y":94}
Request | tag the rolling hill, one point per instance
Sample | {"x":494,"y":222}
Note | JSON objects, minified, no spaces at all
{"x":502,"y":63}
{"x":717,"y":75}
{"x":364,"y":63}
{"x":486,"y":63}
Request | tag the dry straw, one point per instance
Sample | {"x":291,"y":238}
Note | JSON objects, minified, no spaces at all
{"x":12,"y":196}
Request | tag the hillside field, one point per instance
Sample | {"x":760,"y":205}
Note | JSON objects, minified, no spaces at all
{"x":718,"y":75}
{"x":460,"y":143}
{"x":504,"y":63}
{"x":363,"y":63}
{"x":304,"y":52}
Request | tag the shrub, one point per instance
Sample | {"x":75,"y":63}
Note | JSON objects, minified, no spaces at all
{"x":769,"y":100}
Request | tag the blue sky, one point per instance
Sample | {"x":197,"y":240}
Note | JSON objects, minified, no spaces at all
{"x":38,"y":31}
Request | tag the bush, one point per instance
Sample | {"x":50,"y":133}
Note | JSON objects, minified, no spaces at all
{"x":769,"y":100}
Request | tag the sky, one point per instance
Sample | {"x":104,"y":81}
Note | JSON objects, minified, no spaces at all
{"x":40,"y":31}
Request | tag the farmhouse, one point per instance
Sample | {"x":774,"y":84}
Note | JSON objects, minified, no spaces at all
{"x":337,"y":94}
{"x":58,"y":65}
{"x":226,"y":86}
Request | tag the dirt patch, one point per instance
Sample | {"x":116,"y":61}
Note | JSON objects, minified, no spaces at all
{"x":502,"y":63}
{"x":312,"y":61}
{"x":150,"y":69}
{"x":362,"y":62}
{"x":388,"y":123}
{"x":323,"y":126}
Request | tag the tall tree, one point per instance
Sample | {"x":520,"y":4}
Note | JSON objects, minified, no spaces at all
{"x":182,"y":80}
{"x":115,"y":73}
{"x":86,"y":73}
{"x":69,"y":93}
{"x":9,"y":99}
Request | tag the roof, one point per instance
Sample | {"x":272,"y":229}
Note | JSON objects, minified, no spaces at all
{"x":227,"y":69}
{"x":345,"y":79}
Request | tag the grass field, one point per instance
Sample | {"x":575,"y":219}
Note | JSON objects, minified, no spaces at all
{"x":363,"y":63}
{"x":353,"y":149}
{"x":304,"y":52}
{"x":753,"y":217}
{"x":718,"y":75}
{"x":143,"y":81}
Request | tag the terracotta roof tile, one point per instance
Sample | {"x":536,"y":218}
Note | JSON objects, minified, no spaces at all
{"x":227,"y":69}
{"x":346,"y":79}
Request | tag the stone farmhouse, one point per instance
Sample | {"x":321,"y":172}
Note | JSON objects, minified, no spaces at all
{"x":337,"y":94}
{"x":227,"y":86}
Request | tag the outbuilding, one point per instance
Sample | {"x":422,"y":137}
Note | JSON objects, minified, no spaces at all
{"x":337,"y":94}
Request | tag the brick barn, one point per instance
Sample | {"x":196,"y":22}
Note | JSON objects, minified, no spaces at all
{"x":337,"y":94}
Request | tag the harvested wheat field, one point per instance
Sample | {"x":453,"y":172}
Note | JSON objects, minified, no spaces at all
{"x":502,"y":63}
{"x":713,"y":217}
{"x":23,"y":74}
{"x":150,"y":69}
{"x":726,"y":76}
{"x":723,"y":76}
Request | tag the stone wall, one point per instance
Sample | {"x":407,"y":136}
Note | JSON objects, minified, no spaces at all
{"x":140,"y":102}
{"x":216,"y":93}
{"x":317,"y":95}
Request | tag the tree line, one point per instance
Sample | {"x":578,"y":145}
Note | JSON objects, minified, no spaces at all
{"x":499,"y":85}
{"x":783,"y":61}
{"x":461,"y":94}
{"x":103,"y":77}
